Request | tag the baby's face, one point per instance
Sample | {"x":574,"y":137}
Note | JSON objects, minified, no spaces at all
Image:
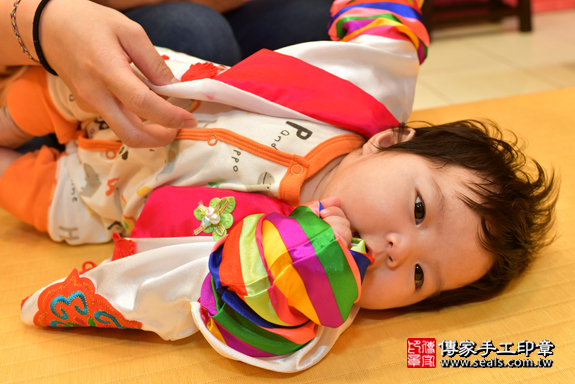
{"x":423,"y":237}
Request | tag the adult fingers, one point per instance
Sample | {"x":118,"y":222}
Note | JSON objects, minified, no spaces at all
{"x":146,"y":58}
{"x":133,"y":93}
{"x":132,"y":131}
{"x":143,"y":102}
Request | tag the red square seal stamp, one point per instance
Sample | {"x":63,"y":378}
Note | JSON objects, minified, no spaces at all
{"x":420,"y":353}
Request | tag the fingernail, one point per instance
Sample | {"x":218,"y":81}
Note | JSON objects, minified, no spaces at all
{"x":190,"y":123}
{"x":324,"y":212}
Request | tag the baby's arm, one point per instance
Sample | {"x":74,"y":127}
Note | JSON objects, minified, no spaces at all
{"x":10,"y":137}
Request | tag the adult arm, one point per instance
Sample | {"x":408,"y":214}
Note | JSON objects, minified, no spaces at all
{"x":91,"y":47}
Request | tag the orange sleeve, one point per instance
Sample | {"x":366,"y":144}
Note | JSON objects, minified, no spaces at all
{"x":32,"y":109}
{"x":27,"y":185}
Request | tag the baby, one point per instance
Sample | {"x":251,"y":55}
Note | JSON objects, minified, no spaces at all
{"x":443,"y":214}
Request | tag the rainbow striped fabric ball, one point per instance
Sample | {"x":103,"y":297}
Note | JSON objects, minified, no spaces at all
{"x":275,"y":278}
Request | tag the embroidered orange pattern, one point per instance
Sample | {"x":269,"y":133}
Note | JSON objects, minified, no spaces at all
{"x":75,"y":303}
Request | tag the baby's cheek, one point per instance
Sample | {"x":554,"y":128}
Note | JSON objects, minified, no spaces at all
{"x":373,"y":280}
{"x":371,"y":287}
{"x":382,"y":289}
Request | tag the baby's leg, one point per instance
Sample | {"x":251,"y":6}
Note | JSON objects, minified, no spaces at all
{"x":26,"y":181}
{"x":30,"y":112}
{"x":10,"y":137}
{"x":7,"y":157}
{"x":27,"y":184}
{"x":32,"y":108}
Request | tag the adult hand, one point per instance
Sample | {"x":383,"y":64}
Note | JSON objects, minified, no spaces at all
{"x":91,"y":48}
{"x":221,"y":6}
{"x":334,"y":216}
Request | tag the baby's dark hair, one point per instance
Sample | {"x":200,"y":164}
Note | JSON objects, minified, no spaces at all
{"x":515,"y":199}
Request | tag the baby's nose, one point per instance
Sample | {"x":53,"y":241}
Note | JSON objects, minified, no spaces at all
{"x":396,"y":250}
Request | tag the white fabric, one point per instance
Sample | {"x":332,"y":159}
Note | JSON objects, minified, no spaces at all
{"x":306,"y":357}
{"x":160,"y":287}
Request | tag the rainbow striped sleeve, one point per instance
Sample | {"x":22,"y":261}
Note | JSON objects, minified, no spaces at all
{"x":396,"y":19}
{"x":275,"y":278}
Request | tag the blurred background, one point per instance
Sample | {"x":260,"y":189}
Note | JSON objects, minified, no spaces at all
{"x":478,"y":51}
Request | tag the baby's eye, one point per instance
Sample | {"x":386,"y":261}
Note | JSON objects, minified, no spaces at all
{"x":419,"y":210}
{"x":418,"y":276}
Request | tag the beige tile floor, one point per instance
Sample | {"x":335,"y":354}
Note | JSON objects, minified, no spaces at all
{"x":496,"y":60}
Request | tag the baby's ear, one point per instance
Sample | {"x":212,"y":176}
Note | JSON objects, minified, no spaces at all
{"x":387,"y":138}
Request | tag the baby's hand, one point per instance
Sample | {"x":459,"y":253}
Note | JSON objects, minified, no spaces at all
{"x":334,"y":216}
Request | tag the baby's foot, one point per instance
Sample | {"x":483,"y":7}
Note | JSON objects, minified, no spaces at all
{"x":10,"y":135}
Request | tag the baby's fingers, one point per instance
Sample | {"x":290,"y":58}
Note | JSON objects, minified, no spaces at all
{"x":339,"y":223}
{"x":332,"y":201}
{"x":332,"y":211}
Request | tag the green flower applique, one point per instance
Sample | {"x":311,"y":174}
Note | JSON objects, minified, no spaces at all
{"x":216,"y":218}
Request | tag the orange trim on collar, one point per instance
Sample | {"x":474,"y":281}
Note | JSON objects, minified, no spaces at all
{"x":328,"y":150}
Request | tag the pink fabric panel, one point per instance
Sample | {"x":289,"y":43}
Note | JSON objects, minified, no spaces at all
{"x":169,"y":212}
{"x":316,"y":93}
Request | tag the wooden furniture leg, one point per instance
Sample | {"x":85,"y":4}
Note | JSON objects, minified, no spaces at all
{"x":524,"y":15}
